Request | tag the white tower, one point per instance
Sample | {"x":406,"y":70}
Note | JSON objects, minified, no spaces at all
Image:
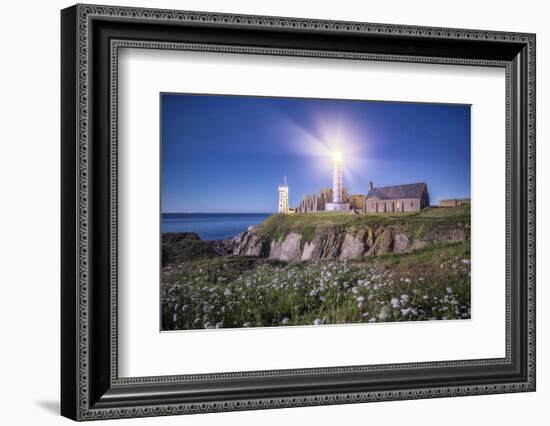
{"x":337,"y":186}
{"x":337,"y":179}
{"x":283,"y":198}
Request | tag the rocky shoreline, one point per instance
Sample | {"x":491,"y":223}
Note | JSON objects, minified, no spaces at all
{"x":324,"y":243}
{"x":341,"y":244}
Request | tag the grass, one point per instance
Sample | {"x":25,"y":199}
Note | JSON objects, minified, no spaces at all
{"x":278,"y":226}
{"x":177,"y":248}
{"x":433,"y":283}
{"x":308,"y":234}
{"x":201,"y":289}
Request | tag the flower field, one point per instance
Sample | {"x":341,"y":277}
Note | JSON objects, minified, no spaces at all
{"x":232,"y":291}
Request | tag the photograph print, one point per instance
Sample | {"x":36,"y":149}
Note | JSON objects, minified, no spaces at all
{"x":281,"y":212}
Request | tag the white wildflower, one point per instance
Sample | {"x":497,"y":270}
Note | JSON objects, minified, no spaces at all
{"x":317,"y":321}
{"x":360,"y":298}
{"x":285,"y":321}
{"x":384,"y":313}
{"x":354,"y":290}
{"x":406,"y":312}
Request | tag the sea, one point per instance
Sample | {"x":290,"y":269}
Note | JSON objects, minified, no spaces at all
{"x":211,"y":226}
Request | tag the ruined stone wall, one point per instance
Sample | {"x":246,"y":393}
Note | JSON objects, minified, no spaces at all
{"x":357,"y":202}
{"x":311,"y":203}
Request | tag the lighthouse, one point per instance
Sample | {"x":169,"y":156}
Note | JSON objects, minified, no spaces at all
{"x":337,"y":178}
{"x":283,"y":198}
{"x":337,"y":185}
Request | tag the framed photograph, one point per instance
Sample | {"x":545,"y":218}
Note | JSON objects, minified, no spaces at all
{"x":263,"y":212}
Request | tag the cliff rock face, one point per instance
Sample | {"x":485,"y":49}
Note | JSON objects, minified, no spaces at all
{"x":337,"y":243}
{"x":353,"y":246}
{"x":288,"y":249}
{"x":383,"y":239}
{"x":248,"y":243}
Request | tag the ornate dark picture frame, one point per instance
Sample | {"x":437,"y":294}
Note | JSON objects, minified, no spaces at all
{"x":90,"y":38}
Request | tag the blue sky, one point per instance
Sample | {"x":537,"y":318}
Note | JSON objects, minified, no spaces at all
{"x":223,"y":154}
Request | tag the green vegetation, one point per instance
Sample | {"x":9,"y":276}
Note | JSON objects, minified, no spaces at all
{"x":180,"y":247}
{"x":278,"y":226}
{"x":203,"y":289}
{"x":446,"y":212}
{"x":230,"y":291}
{"x":308,"y":233}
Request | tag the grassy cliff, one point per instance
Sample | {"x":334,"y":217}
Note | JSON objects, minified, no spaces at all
{"x":221,"y":291}
{"x":278,"y":226}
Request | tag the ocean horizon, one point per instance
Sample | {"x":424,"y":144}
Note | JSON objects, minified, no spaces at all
{"x":211,"y":226}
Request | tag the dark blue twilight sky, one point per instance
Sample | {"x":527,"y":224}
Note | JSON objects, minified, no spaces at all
{"x":227,"y":154}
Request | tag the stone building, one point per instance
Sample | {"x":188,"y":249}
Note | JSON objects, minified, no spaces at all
{"x":410,"y":197}
{"x":326,"y":196}
{"x":318,"y":203}
{"x":311,"y":203}
{"x":357,"y":202}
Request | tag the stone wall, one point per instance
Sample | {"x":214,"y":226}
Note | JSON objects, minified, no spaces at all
{"x":389,"y":206}
{"x":357,"y":202}
{"x":311,"y":203}
{"x":316,"y":203}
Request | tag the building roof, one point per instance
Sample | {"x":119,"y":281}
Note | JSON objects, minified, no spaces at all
{"x":410,"y":190}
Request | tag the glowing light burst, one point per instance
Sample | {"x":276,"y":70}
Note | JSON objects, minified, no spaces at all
{"x":330,"y":139}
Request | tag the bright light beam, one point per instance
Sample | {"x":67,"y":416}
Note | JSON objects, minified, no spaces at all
{"x":337,"y":157}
